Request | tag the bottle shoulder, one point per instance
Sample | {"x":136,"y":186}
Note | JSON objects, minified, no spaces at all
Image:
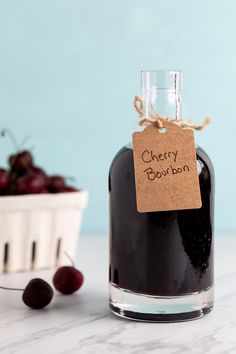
{"x":204,"y":160}
{"x":124,"y":154}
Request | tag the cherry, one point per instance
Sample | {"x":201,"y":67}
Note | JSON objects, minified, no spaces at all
{"x":68,"y":279}
{"x":70,"y":189}
{"x":38,"y":171}
{"x":21,"y":162}
{"x":19,"y":185}
{"x":12,"y":179}
{"x":30,"y":183}
{"x":56,"y":184}
{"x":44,"y":191}
{"x":4,"y":180}
{"x":37,"y":294}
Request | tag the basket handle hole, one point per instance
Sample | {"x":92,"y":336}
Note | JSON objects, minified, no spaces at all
{"x":58,"y":250}
{"x":33,"y":253}
{"x":5,"y":257}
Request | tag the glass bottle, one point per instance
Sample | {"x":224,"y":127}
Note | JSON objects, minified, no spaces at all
{"x":161,"y":263}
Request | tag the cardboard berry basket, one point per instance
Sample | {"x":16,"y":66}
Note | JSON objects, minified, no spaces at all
{"x":36,"y":230}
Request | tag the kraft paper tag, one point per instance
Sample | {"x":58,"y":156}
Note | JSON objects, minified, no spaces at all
{"x":165,"y":165}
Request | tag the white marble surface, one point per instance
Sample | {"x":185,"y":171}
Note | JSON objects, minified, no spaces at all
{"x":82,"y":323}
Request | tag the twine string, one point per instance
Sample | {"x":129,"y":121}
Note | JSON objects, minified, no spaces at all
{"x":159,"y":121}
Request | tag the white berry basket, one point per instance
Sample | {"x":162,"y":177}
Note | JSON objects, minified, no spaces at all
{"x":36,"y":230}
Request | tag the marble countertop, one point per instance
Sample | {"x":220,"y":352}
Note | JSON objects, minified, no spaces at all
{"x":82,"y":323}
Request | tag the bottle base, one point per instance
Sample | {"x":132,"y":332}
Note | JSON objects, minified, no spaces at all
{"x":141,"y":307}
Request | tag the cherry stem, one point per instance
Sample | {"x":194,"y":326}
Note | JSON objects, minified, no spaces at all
{"x":70,"y":259}
{"x":11,"y":136}
{"x":70,"y":178}
{"x":6,"y":288}
{"x":22,"y":144}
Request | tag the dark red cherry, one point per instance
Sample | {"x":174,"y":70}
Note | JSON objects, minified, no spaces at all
{"x":30,"y":183}
{"x":37,"y":294}
{"x":55,"y":184}
{"x":38,"y":171}
{"x":4,"y":180}
{"x":44,"y":191}
{"x":13,"y":177}
{"x":21,"y":162}
{"x":68,"y":279}
{"x":70,"y":189}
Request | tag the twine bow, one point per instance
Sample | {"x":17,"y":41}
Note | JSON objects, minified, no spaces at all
{"x":155,"y":118}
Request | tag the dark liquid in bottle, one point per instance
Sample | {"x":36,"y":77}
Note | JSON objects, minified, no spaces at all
{"x":159,"y":253}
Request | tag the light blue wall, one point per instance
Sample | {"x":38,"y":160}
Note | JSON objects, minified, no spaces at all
{"x":69,"y":70}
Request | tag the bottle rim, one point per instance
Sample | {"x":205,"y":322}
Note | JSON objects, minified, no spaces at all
{"x":163,"y":71}
{"x":161,"y":80}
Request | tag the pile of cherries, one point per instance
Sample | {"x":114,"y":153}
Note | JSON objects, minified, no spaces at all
{"x":23,"y":177}
{"x":38,"y":293}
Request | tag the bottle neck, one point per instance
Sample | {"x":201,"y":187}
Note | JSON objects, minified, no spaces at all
{"x":167,"y":103}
